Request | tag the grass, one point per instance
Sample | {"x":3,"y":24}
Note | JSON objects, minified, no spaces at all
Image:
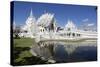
{"x":21,"y":52}
{"x":23,"y":42}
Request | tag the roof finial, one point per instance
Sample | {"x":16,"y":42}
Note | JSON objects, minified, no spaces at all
{"x":31,"y":14}
{"x":45,"y":11}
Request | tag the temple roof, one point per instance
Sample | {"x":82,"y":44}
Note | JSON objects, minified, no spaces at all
{"x":31,"y":19}
{"x":45,"y":19}
{"x":70,"y":24}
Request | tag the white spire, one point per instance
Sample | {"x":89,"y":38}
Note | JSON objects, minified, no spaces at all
{"x":45,"y":11}
{"x":70,"y":25}
{"x":31,"y":13}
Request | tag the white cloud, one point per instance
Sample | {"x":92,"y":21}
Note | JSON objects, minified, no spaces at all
{"x":85,"y":20}
{"x":91,"y":24}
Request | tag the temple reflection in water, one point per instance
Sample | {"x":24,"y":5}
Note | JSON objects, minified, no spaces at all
{"x":64,"y":51}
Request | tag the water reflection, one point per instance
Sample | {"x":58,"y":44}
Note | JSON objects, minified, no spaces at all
{"x":65,"y":51}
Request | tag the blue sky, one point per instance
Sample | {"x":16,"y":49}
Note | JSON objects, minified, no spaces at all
{"x":78,"y":14}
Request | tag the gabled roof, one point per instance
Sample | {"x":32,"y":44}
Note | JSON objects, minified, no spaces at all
{"x":45,"y":19}
{"x":70,"y":24}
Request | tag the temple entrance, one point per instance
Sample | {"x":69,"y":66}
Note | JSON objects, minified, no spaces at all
{"x":51,"y":27}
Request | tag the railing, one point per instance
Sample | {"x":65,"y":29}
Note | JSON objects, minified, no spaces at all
{"x":60,"y":36}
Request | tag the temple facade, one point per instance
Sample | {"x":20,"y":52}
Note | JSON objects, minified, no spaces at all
{"x":46,"y":28}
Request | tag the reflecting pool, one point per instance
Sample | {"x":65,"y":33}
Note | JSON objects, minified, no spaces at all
{"x":58,"y":52}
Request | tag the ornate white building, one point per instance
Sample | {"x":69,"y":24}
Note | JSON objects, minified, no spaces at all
{"x":28,"y":30}
{"x":45,"y":28}
{"x":47,"y":23}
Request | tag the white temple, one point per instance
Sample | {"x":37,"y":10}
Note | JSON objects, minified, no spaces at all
{"x":28,"y":29}
{"x":45,"y":28}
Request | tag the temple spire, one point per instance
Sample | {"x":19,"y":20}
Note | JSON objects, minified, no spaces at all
{"x":31,"y":14}
{"x":45,"y":11}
